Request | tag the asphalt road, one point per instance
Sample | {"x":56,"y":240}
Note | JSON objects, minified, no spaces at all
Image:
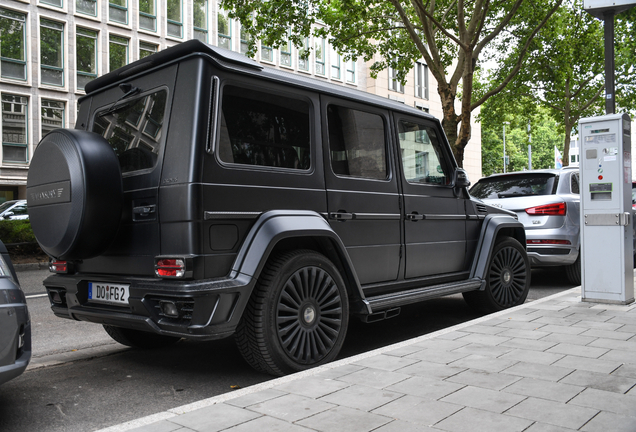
{"x":99,"y":383}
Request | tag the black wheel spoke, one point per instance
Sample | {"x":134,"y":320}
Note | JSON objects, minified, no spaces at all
{"x":507,"y":276}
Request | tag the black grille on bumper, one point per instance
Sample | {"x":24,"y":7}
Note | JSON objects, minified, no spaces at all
{"x":184,"y":306}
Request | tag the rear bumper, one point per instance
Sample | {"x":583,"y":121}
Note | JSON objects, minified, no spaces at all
{"x":15,"y":338}
{"x":551,"y":255}
{"x":208,"y":309}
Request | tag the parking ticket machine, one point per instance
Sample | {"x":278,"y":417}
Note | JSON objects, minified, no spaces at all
{"x":606,"y":209}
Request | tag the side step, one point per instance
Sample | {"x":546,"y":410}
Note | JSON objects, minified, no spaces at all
{"x":395,"y":300}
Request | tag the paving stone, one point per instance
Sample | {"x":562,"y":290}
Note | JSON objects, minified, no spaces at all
{"x":543,"y":427}
{"x":588,"y":317}
{"x":312,"y":387}
{"x":539,"y":371}
{"x":339,"y":371}
{"x":551,"y":313}
{"x":578,"y":350}
{"x":494,"y":322}
{"x":489,"y":364}
{"x":542,"y":389}
{"x":583,"y":311}
{"x":554,"y":413}
{"x":522,"y":325}
{"x":588,"y":364}
{"x":361,"y":397}
{"x":606,"y":422}
{"x":431,"y":370}
{"x":339,"y":418}
{"x":426,"y":388}
{"x":609,"y":326}
{"x":374,"y":378}
{"x":556,"y":321}
{"x":484,"y":339}
{"x":524,"y":317}
{"x":627,"y":370}
{"x":484,"y":399}
{"x":484,"y":350}
{"x":629,"y":345}
{"x":629,"y":328}
{"x":549,"y":307}
{"x":532,"y":356}
{"x":608,"y":334}
{"x":451,"y":335}
{"x":445,"y":345}
{"x":477,"y":378}
{"x":569,"y":339}
{"x":402,"y":426}
{"x":483,"y":329}
{"x":569,"y":330}
{"x":404,"y":351}
{"x":291,"y":407}
{"x":437,"y":356}
{"x":600,"y":381}
{"x":419,"y":411}
{"x":535,"y":345}
{"x":474,"y":420}
{"x":255,"y":398}
{"x":162,"y":426}
{"x":524,"y":334}
{"x":385,"y":362}
{"x":215,"y":418}
{"x":606,"y":401}
{"x":268,"y":424}
{"x":623,"y":319}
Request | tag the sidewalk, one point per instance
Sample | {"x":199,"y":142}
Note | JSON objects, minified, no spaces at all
{"x":556,"y":364}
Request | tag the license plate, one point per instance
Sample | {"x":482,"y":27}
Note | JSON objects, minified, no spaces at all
{"x":109,"y":293}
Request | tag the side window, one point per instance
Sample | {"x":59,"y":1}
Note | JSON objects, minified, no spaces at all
{"x":575,"y":183}
{"x":19,"y":210}
{"x":264,"y":129}
{"x":422,"y":156}
{"x":356,"y":143}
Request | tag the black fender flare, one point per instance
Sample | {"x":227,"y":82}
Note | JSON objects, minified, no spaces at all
{"x":275,"y":225}
{"x":492,"y":226}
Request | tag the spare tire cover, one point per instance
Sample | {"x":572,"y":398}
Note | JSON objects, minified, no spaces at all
{"x":74,"y":194}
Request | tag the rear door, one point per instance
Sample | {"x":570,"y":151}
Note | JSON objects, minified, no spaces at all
{"x":362,"y":190}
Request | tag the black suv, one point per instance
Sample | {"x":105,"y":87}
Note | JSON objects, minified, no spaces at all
{"x":201,"y":196}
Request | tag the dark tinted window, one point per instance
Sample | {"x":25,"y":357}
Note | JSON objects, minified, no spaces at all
{"x":264,"y":129}
{"x":575,"y":183}
{"x":423,"y":160}
{"x":133,"y":130}
{"x":514,"y":185}
{"x":356,"y":142}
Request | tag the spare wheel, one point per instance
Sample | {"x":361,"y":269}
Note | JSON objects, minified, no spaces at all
{"x":74,"y":194}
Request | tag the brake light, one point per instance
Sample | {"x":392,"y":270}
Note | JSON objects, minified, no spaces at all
{"x":58,"y":266}
{"x":545,"y":241}
{"x":170,"y":267}
{"x":557,"y":209}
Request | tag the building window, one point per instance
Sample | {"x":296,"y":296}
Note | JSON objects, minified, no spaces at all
{"x":14,"y":128}
{"x":303,"y":56}
{"x":421,"y":80}
{"x":224,"y":30}
{"x":86,"y":46}
{"x":88,"y":7}
{"x":351,"y":71}
{"x":51,"y":52}
{"x":118,"y":11}
{"x":267,"y":53}
{"x":148,"y":15}
{"x":245,"y":41}
{"x":200,"y":19}
{"x":394,"y":83}
{"x":12,"y":45}
{"x":285,"y":53}
{"x":117,"y":52}
{"x":52,"y":116}
{"x":335,"y":65}
{"x":320,"y":56}
{"x":175,"y":19}
{"x":146,"y":49}
{"x":57,"y":3}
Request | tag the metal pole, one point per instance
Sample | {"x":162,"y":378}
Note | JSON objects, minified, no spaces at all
{"x":610,"y":100}
{"x":529,"y":147}
{"x":504,"y":148}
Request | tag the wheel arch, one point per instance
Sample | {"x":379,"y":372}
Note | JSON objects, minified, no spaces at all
{"x":283,"y":230}
{"x":494,"y":228}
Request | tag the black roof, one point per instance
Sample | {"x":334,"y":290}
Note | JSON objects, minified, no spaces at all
{"x":231,"y":60}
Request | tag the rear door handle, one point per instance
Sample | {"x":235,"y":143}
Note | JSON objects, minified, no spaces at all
{"x":145,"y":210}
{"x":341,"y":216}
{"x":414,"y":217}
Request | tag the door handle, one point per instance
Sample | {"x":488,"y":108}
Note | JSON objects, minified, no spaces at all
{"x":341,"y":216}
{"x":145,"y":210}
{"x":414,"y":217}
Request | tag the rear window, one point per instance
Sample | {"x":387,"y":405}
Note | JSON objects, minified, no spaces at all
{"x":133,"y":129}
{"x":514,"y":186}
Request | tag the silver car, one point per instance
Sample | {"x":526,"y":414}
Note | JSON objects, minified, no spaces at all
{"x":13,"y":210}
{"x":547,"y":202}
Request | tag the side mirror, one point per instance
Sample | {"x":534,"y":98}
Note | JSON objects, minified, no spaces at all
{"x":461,"y":179}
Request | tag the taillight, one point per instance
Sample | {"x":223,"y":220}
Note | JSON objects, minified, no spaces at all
{"x":170,"y":267}
{"x":546,"y":241}
{"x":557,"y":209}
{"x":59,"y":266}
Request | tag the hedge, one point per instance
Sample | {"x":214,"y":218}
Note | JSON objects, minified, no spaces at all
{"x":16,"y":231}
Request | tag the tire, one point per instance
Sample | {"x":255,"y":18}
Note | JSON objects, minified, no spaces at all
{"x":139,"y":339}
{"x":297,"y":316}
{"x":573,"y":271}
{"x":507,"y":278}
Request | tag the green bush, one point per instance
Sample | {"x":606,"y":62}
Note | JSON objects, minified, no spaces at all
{"x":16,"y":231}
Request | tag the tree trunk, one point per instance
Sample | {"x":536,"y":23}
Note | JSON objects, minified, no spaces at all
{"x":566,"y":146}
{"x":450,"y":119}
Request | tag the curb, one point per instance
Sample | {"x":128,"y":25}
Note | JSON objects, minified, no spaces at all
{"x":31,"y":266}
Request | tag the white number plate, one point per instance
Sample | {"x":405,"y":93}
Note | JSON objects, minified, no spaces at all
{"x":101,"y":292}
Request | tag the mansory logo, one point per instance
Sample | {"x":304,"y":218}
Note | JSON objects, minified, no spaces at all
{"x":48,"y":194}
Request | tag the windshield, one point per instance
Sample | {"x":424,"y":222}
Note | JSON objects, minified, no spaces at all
{"x":134,"y":129}
{"x":515,"y":186}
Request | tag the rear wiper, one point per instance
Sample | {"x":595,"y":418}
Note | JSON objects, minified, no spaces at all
{"x":128,"y":90}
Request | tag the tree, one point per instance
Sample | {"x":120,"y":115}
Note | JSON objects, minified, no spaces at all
{"x":451,"y":36}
